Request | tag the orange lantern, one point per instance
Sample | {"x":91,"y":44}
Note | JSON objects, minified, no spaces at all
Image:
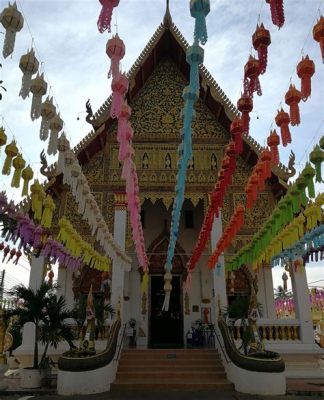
{"x":282,"y":120}
{"x":305,"y":70}
{"x":273,"y":142}
{"x":261,"y":40}
{"x":231,"y":153}
{"x":277,"y":12}
{"x":292,"y":99}
{"x":318,"y":34}
{"x":249,"y":190}
{"x":266,"y":158}
{"x":245,"y":105}
{"x":260,"y":171}
{"x":251,"y":77}
{"x":236,"y":131}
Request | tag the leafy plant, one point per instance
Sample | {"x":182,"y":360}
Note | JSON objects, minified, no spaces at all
{"x":31,"y":307}
{"x":54,"y":328}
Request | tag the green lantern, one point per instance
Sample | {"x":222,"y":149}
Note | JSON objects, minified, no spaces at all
{"x":309,"y":174}
{"x":317,"y":157}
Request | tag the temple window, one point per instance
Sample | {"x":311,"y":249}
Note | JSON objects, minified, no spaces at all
{"x":168,"y":161}
{"x":213,"y":161}
{"x":145,"y":161}
{"x":191,"y":163}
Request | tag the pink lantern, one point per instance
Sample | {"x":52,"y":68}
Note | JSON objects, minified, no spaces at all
{"x":104,"y":19}
{"x":119,"y":87}
{"x":115,"y":50}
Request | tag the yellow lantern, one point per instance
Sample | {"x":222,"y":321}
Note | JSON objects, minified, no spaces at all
{"x":11,"y":151}
{"x":19,"y":164}
{"x":27,"y":175}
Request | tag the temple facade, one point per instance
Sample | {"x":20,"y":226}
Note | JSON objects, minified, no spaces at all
{"x":157,"y":79}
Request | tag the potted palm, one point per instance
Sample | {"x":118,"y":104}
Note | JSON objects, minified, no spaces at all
{"x":53,"y":330}
{"x":31,"y":307}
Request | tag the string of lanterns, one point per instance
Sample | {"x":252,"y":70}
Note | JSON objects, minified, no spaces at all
{"x":194,"y":57}
{"x":119,"y":109}
{"x":69,"y":165}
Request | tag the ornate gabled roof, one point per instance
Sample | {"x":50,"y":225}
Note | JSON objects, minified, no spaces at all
{"x":168,"y":41}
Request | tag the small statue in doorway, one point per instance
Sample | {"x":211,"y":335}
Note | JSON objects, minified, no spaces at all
{"x":87,"y":340}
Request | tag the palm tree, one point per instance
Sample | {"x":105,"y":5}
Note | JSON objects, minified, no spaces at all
{"x":31,"y":307}
{"x":54,"y":328}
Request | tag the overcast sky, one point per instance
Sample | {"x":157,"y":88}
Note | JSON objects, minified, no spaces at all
{"x":73,"y":55}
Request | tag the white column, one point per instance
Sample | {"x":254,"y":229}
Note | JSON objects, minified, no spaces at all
{"x":36,"y":278}
{"x":265,"y":293}
{"x":219,"y":276}
{"x":302,"y":304}
{"x":64,"y":281}
{"x":118,"y":273}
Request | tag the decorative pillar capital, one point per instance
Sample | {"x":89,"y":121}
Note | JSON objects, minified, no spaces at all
{"x":120,"y":201}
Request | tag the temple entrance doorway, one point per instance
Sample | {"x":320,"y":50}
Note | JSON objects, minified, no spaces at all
{"x":166,"y":327}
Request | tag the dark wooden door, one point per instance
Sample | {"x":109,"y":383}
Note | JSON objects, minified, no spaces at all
{"x":166,"y":327}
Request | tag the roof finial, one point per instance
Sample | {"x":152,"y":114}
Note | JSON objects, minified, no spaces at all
{"x":167,"y":20}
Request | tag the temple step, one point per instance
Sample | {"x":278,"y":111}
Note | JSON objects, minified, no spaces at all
{"x":180,"y":369}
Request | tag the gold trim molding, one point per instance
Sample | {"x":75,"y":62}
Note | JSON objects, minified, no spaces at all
{"x":120,"y":201}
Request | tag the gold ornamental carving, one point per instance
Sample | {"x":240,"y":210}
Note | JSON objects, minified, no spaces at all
{"x":120,"y":201}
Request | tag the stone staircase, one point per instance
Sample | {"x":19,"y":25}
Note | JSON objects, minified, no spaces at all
{"x":175,"y":369}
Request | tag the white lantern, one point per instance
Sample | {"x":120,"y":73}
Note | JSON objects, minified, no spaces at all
{"x":13,"y":21}
{"x":38,"y":88}
{"x":48,"y":112}
{"x":29,"y":66}
{"x":55,"y":126}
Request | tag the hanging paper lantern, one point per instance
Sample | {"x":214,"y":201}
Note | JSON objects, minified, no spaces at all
{"x":266,"y":158}
{"x":37,"y":196}
{"x":75,"y":172}
{"x":63,"y":145}
{"x":119,"y":87}
{"x":277,"y":12}
{"x":194,"y":57}
{"x":273,"y":142}
{"x":38,"y":87}
{"x":305,"y":70}
{"x":29,"y":66}
{"x":124,"y":130}
{"x":260,"y":172}
{"x":261,"y":40}
{"x":3,"y":136}
{"x":317,"y":157}
{"x":27,"y":174}
{"x":11,"y":151}
{"x":55,"y":126}
{"x":19,"y":164}
{"x":236,"y":131}
{"x":48,"y":112}
{"x":49,"y":207}
{"x":292,"y":99}
{"x":282,"y":120}
{"x":115,"y":50}
{"x":13,"y":21}
{"x":104,"y":19}
{"x":245,"y":105}
{"x":251,"y":77}
{"x":321,"y":143}
{"x":309,"y":173}
{"x":318,"y":34}
{"x":199,"y":10}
